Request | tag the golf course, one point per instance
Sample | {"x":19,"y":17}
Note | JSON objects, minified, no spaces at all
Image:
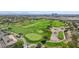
{"x":37,"y":30}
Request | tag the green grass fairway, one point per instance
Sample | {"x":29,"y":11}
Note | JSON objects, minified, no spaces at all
{"x":31,"y":27}
{"x":33,"y":37}
{"x":57,"y":23}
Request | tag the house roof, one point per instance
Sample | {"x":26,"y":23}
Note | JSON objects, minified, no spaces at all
{"x":9,"y":40}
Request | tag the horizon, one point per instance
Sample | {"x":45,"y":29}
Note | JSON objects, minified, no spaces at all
{"x":37,"y":12}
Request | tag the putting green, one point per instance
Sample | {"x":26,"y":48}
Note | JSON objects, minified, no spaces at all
{"x":33,"y":37}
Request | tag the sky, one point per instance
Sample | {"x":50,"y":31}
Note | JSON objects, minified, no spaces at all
{"x":37,"y":6}
{"x":49,"y":12}
{"x":37,"y":12}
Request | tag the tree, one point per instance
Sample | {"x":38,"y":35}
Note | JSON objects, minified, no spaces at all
{"x":19,"y":35}
{"x":9,"y":28}
{"x":45,"y":37}
{"x":43,"y":41}
{"x":39,"y":45}
{"x":75,"y":25}
{"x":73,"y":43}
{"x":19,"y":44}
{"x":75,"y":39}
{"x":49,"y":26}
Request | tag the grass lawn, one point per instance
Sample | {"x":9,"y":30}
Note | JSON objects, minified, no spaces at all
{"x":54,"y":44}
{"x":61,"y":35}
{"x":57,"y":23}
{"x":33,"y":37}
